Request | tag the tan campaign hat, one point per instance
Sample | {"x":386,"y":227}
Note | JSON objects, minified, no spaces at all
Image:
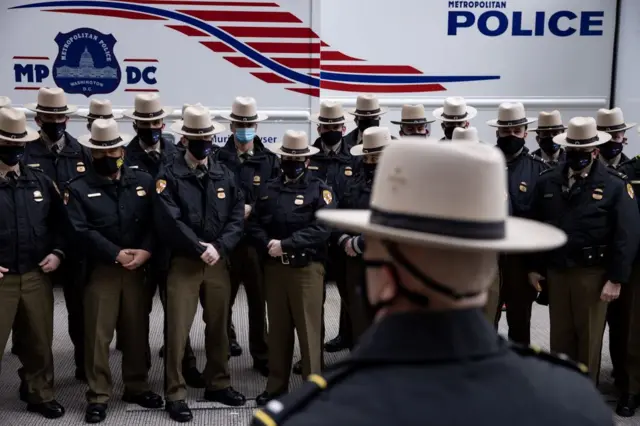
{"x":330,"y":113}
{"x":374,"y":140}
{"x":147,"y":107}
{"x":582,"y":133}
{"x":413,"y":114}
{"x":368,"y":105}
{"x":197,"y":122}
{"x":612,"y":120}
{"x":549,"y":121}
{"x":244,"y":110}
{"x":52,"y":100}
{"x":294,"y":144}
{"x":104,"y":135}
{"x":100,"y":108}
{"x":511,"y":114}
{"x":4,"y":101}
{"x":469,"y":134}
{"x":13,"y":126}
{"x":455,"y":109}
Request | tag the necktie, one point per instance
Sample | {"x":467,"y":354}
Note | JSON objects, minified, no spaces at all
{"x":55,"y":149}
{"x":200,"y":171}
{"x":155,"y":156}
{"x":332,"y":153}
{"x":244,"y":157}
{"x":12,"y":177}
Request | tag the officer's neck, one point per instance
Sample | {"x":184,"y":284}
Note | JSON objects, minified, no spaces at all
{"x":514,"y":156}
{"x":613,"y":161}
{"x":193,"y":160}
{"x":4,"y":168}
{"x":244,"y":147}
{"x":48,"y":141}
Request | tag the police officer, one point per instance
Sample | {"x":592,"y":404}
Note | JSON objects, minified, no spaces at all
{"x":356,"y":197}
{"x":454,"y":113}
{"x":294,"y":245}
{"x":110,"y":210}
{"x":523,"y":170}
{"x":430,"y":354}
{"x":367,"y":114}
{"x":253,"y":165}
{"x":62,"y":158}
{"x":31,"y":247}
{"x":413,"y":121}
{"x":99,"y":109}
{"x":334,"y":164}
{"x":549,"y":126}
{"x":200,"y":215}
{"x":612,"y":122}
{"x":598,"y":210}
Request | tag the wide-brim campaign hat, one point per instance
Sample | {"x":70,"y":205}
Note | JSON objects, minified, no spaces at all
{"x":330,"y":113}
{"x":13,"y":126}
{"x":185,"y":106}
{"x":51,"y":100}
{"x":511,"y":114}
{"x":468,"y":135}
{"x":549,"y":121}
{"x":612,"y":120}
{"x":413,"y":114}
{"x":197,"y":121}
{"x":374,"y":140}
{"x":100,"y":109}
{"x":147,"y":107}
{"x":104,"y":135}
{"x":466,"y":209}
{"x":244,"y":110}
{"x":4,"y":101}
{"x":582,"y":133}
{"x":368,"y":105}
{"x":294,"y":144}
{"x":455,"y":109}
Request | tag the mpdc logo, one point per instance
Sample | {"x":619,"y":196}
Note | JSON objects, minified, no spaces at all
{"x":86,"y":63}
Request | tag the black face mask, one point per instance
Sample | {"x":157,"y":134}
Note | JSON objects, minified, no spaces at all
{"x":548,"y":146}
{"x":610,"y":150}
{"x":149,"y":136}
{"x":414,"y":135}
{"x":578,"y":160}
{"x":11,"y":154}
{"x":331,"y":138}
{"x":511,"y":144}
{"x":107,"y":166}
{"x":369,"y":170}
{"x":292,"y":169}
{"x":365,"y":123}
{"x":54,"y":131}
{"x":200,"y":149}
{"x":448,"y":132}
{"x":89,"y":126}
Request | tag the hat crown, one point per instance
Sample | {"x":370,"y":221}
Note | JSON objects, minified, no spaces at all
{"x":197,"y":118}
{"x":185,"y":106}
{"x":455,"y":106}
{"x":550,"y":119}
{"x":104,"y":130}
{"x":295,"y":140}
{"x":413,"y":112}
{"x":12,"y":121}
{"x":331,"y":110}
{"x":465,"y":135}
{"x":244,"y":107}
{"x":375,"y":137}
{"x":582,"y":128}
{"x":511,"y":111}
{"x":367,"y":102}
{"x":407,"y":164}
{"x":147,"y":103}
{"x":100,"y":107}
{"x":52,"y":97}
{"x":609,"y":117}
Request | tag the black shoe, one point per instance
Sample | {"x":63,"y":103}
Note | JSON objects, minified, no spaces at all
{"x":80,"y":375}
{"x":193,"y":378}
{"x":627,"y":405}
{"x":95,"y":413}
{"x":23,"y":391}
{"x":228,"y":396}
{"x":261,"y":367}
{"x":146,"y":399}
{"x":161,"y":352}
{"x":179,"y":411}
{"x":265,"y":397}
{"x":297,"y":367}
{"x":336,"y":344}
{"x":235,"y":349}
{"x":49,"y":410}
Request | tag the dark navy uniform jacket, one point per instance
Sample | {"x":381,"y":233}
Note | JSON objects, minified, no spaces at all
{"x":562,"y":156}
{"x":356,"y":196}
{"x":137,"y":157}
{"x":523,"y":172}
{"x":334,"y":169}
{"x":448,"y":368}
{"x":631,"y":169}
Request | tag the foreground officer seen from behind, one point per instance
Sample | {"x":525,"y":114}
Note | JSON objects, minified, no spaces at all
{"x":200,"y":215}
{"x":293,"y":244}
{"x":109,"y":209}
{"x":430,"y":259}
{"x":30,"y":249}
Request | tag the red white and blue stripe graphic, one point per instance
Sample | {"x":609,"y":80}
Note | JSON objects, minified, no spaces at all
{"x":272,"y":44}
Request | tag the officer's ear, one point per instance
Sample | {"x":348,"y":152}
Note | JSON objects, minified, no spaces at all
{"x":595,"y":153}
{"x":38,"y":121}
{"x":344,"y":129}
{"x":319,"y":130}
{"x":232,"y":126}
{"x":466,"y":125}
{"x":135,"y":127}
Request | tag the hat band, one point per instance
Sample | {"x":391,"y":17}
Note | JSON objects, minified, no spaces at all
{"x":100,"y":117}
{"x":582,"y":141}
{"x":552,"y":127}
{"x":612,"y":128}
{"x":512,"y":122}
{"x":372,"y":150}
{"x":455,"y":117}
{"x":368,"y":112}
{"x":295,"y":150}
{"x":434,"y":225}
{"x":51,"y":109}
{"x":331,"y":120}
{"x":148,"y":114}
{"x":197,"y":131}
{"x":11,"y":135}
{"x":241,"y":118}
{"x":413,"y":120}
{"x":106,"y":143}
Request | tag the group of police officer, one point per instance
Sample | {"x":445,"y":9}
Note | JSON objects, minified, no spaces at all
{"x":112,"y":218}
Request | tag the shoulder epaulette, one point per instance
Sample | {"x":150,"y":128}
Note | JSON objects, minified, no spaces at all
{"x":557,"y":359}
{"x":629,"y":161}
{"x":616,"y":173}
{"x":535,"y":157}
{"x":75,"y":178}
{"x":276,"y":411}
{"x":546,"y":171}
{"x":36,"y":167}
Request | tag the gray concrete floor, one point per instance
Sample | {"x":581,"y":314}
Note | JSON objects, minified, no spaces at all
{"x":71,"y":392}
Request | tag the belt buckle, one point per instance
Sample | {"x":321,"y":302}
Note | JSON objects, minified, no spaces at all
{"x":284,"y":259}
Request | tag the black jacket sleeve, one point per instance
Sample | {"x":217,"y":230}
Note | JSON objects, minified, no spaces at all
{"x":149,"y":241}
{"x":255,"y":226}
{"x":626,"y":236}
{"x":317,"y":233}
{"x":234,"y":228}
{"x":57,"y":219}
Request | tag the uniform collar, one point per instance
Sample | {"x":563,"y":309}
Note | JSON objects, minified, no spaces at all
{"x":584,"y":173}
{"x":549,"y":158}
{"x":3,"y":173}
{"x":148,"y":149}
{"x":192,"y":164}
{"x":433,"y":337}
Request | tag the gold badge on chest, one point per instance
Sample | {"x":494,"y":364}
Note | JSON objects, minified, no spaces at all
{"x":256,"y":180}
{"x":161,"y":184}
{"x":523,"y":187}
{"x":299,"y":200}
{"x":80,"y":168}
{"x":348,"y":171}
{"x":598,"y":193}
{"x":37,"y":196}
{"x":140,"y":191}
{"x":630,"y":191}
{"x":221,"y":193}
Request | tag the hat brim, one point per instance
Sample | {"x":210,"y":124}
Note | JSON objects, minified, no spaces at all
{"x":522,"y":235}
{"x":494,"y":123}
{"x":177,"y":128}
{"x":550,"y":129}
{"x":32,"y":135}
{"x":86,"y":115}
{"x":383,"y":110}
{"x":402,"y":123}
{"x":315,"y":118}
{"x":357,"y":150}
{"x":261,"y":117}
{"x":471,"y":113}
{"x":561,"y":139}
{"x":276,"y":148}
{"x":34,"y":107}
{"x":130,"y":114}
{"x":627,"y":127}
{"x":84,"y":141}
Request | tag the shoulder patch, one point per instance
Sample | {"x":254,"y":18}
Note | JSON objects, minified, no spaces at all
{"x":326,"y":196}
{"x":161,"y":184}
{"x":630,"y":191}
{"x":65,"y":197}
{"x":557,"y":359}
